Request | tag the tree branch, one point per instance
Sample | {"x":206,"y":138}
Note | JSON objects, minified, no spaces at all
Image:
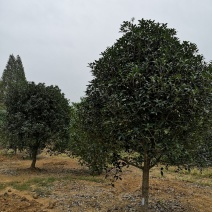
{"x":132,"y":164}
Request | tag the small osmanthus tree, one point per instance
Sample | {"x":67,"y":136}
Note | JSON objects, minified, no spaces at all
{"x":87,"y":144}
{"x":148,"y":93}
{"x":37,"y":115}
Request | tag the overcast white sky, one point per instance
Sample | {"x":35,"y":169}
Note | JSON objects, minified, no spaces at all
{"x":56,"y":39}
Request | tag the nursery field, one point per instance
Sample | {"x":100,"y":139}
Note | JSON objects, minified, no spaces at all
{"x":61,"y":184}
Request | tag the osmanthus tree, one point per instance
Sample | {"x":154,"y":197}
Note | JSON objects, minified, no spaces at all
{"x":197,"y":152}
{"x":86,"y":144}
{"x":37,"y":115}
{"x":148,"y":93}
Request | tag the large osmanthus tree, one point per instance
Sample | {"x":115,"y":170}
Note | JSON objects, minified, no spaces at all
{"x":37,"y":115}
{"x":149,"y":92}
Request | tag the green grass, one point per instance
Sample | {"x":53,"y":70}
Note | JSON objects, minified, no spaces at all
{"x":42,"y":181}
{"x":20,"y":186}
{"x":206,"y":173}
{"x":196,"y":180}
{"x":40,"y":185}
{"x":26,"y":186}
{"x":204,"y":178}
{"x":2,"y":186}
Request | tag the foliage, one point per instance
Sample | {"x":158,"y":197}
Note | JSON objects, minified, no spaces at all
{"x":1,"y":94}
{"x":2,"y":118}
{"x":37,"y":115}
{"x":198,"y":152}
{"x":86,"y":144}
{"x":149,"y":92}
{"x":13,"y":73}
{"x":149,"y":89}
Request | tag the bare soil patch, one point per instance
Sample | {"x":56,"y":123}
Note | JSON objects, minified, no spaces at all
{"x":61,"y":184}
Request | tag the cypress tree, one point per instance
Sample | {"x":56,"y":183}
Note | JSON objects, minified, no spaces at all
{"x":13,"y":74}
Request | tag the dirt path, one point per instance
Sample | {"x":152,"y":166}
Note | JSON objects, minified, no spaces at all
{"x":61,"y":184}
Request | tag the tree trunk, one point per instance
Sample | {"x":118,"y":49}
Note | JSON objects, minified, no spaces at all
{"x":34,"y":157}
{"x":145,"y":182}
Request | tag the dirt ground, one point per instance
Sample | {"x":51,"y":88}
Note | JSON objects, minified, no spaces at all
{"x":61,"y":184}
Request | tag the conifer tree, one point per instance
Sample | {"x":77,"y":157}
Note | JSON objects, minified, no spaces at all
{"x":1,"y":92}
{"x":20,"y":74}
{"x":13,"y":73}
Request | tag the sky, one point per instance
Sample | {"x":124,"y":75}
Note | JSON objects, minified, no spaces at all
{"x":56,"y":39}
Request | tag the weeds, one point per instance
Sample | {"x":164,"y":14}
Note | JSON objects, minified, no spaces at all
{"x":27,"y":186}
{"x":204,"y":178}
{"x":41,"y":185}
{"x":2,"y":186}
{"x":20,"y":186}
{"x":42,"y":181}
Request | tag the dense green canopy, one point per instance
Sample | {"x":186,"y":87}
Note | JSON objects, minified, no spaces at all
{"x":13,"y":73}
{"x":149,"y":92}
{"x":37,"y":115}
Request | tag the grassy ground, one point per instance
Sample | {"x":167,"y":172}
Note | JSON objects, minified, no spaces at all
{"x":61,"y":184}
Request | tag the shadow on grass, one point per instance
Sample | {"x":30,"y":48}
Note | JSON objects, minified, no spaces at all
{"x":55,"y":170}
